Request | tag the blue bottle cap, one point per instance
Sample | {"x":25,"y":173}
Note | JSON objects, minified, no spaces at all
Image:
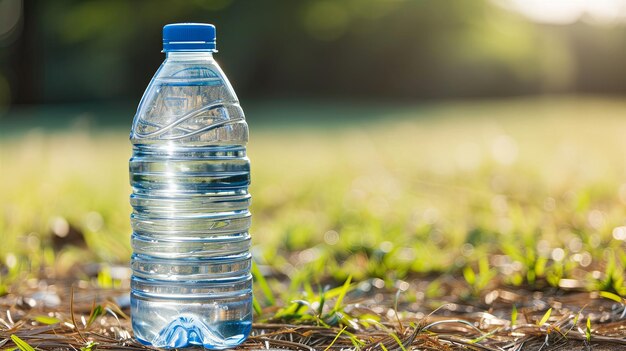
{"x":189,"y":37}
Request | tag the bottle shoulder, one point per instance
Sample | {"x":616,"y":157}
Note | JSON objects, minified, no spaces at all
{"x":190,"y":101}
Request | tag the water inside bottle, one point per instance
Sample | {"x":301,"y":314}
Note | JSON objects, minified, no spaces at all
{"x":191,"y":283}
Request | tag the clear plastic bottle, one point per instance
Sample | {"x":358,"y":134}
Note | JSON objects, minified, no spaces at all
{"x":191,"y":282}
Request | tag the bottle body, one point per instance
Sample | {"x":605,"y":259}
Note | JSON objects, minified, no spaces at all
{"x":191,"y":282}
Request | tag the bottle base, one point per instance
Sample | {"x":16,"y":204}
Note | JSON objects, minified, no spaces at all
{"x":214,"y":324}
{"x":189,"y":330}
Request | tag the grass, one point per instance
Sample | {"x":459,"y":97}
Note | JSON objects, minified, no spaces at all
{"x":427,"y":205}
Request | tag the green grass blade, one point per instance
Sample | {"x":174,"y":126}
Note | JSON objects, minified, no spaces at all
{"x":545,"y":317}
{"x":395,"y":310}
{"x":588,"y":330}
{"x":342,"y":293}
{"x":483,"y":266}
{"x":47,"y":320}
{"x":469,"y":275}
{"x":486,"y":335}
{"x":308,"y":290}
{"x":575,"y":321}
{"x":514,"y":316}
{"x":355,"y":341}
{"x":90,"y":346}
{"x":257,"y":307}
{"x":21,"y":344}
{"x":265,"y":288}
{"x":335,"y":339}
{"x":397,"y":339}
{"x":320,"y":309}
{"x":612,"y":296}
{"x":97,"y":311}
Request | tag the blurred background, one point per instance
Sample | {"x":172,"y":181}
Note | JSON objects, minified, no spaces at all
{"x":71,"y":52}
{"x":422,"y":133}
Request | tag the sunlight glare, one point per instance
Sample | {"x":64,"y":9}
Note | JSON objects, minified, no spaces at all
{"x":565,"y":12}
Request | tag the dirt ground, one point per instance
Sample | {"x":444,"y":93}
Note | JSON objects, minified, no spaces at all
{"x":39,"y":314}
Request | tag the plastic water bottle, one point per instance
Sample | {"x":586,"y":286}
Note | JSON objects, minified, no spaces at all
{"x":191,"y":282}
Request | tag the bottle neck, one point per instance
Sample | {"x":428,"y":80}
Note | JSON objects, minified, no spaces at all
{"x":189,"y":55}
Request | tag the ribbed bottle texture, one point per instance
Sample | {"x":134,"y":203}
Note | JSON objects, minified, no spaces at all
{"x":189,"y":173}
